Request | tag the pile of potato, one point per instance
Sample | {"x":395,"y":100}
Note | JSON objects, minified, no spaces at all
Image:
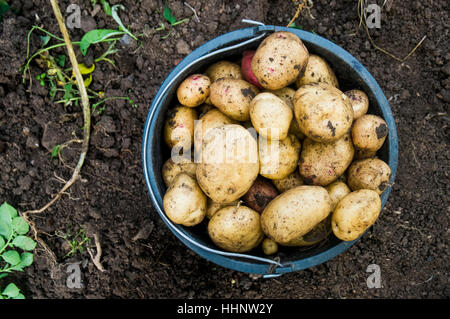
{"x":281,"y":155}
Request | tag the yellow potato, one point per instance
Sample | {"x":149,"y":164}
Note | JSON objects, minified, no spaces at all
{"x":295,"y":212}
{"x":278,"y":159}
{"x":292,"y":180}
{"x":179,"y":127}
{"x":359,"y":101}
{"x":194,"y":90}
{"x":184,"y":202}
{"x":322,"y":163}
{"x":269,"y":246}
{"x":337,"y":191}
{"x":270,"y":116}
{"x":233,"y":97}
{"x":171,"y":169}
{"x":236,"y":229}
{"x":224,"y":69}
{"x":370,"y":173}
{"x":279,"y":60}
{"x":355,"y":213}
{"x":323,"y":112}
{"x":229,"y":163}
{"x":317,"y":71}
{"x":320,"y":232}
{"x":369,"y":132}
{"x":212,"y":208}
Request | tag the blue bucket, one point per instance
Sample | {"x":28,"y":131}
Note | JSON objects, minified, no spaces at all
{"x":351,"y":75}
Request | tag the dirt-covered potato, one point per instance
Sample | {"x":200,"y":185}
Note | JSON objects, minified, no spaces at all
{"x":369,"y":132}
{"x":184,"y":202}
{"x":278,"y":158}
{"x":260,"y":194}
{"x":295,"y":212}
{"x":229,"y":163}
{"x":337,"y":191}
{"x":292,"y":180}
{"x":370,"y":173}
{"x":323,"y":112}
{"x":246,"y":65}
{"x":236,"y":229}
{"x":212,"y":119}
{"x":194,"y":90}
{"x":171,"y":169}
{"x":317,"y":71}
{"x":287,"y":95}
{"x":279,"y":60}
{"x":359,"y":101}
{"x":355,"y":213}
{"x":179,"y":127}
{"x":223,"y":69}
{"x":269,"y":246}
{"x":212,"y":208}
{"x":320,"y":232}
{"x":233,"y":97}
{"x":322,"y":163}
{"x":270,"y":116}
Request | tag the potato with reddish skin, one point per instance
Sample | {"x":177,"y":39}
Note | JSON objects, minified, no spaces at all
{"x":370,"y":173}
{"x":232,"y":97}
{"x":223,"y":69}
{"x":322,"y":163}
{"x":359,"y":101}
{"x":279,"y":60}
{"x":260,"y":194}
{"x":179,"y":127}
{"x":194,"y":90}
{"x":184,"y":202}
{"x":369,"y":132}
{"x":236,"y":229}
{"x":171,"y":169}
{"x":323,"y":112}
{"x":289,"y":182}
{"x":317,"y":71}
{"x":246,"y":67}
{"x":355,"y":213}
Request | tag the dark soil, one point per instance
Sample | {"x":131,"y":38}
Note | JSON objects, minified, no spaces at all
{"x":409,"y":241}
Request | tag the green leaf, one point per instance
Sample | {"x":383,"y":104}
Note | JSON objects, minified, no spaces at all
{"x":4,"y":7}
{"x":44,"y":40}
{"x":106,"y":7}
{"x":95,"y":36}
{"x":2,"y":243}
{"x":55,"y":150}
{"x":3,"y":275}
{"x":26,"y":259}
{"x":295,"y":26}
{"x":24,"y":242}
{"x":116,"y":18}
{"x":12,"y":257}
{"x":5,"y":230}
{"x":20,"y":226}
{"x":11,"y":291}
{"x":7,"y":212}
{"x":167,"y":14}
{"x":19,"y":296}
{"x":11,"y":210}
{"x":61,"y":60}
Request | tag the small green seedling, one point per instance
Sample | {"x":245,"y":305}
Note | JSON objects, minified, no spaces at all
{"x":77,"y":242}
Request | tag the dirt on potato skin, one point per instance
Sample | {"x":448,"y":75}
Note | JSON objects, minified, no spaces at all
{"x":409,"y":241}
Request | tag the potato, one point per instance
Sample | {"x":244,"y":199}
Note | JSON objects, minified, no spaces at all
{"x":323,"y":113}
{"x":212,"y":208}
{"x":279,"y":60}
{"x":246,"y":66}
{"x":184,"y":202}
{"x":337,"y":191}
{"x":270,"y":116}
{"x":236,"y":229}
{"x":355,"y":213}
{"x":194,"y":90}
{"x":322,"y":163}
{"x":223,"y":69}
{"x":370,"y":173}
{"x":278,"y":159}
{"x":287,"y":95}
{"x":171,"y":169}
{"x":359,"y":101}
{"x":204,"y":108}
{"x":320,"y":232}
{"x":179,"y":127}
{"x":269,"y":246}
{"x":369,"y":132}
{"x":233,"y":97}
{"x":317,"y":71}
{"x":212,"y":119}
{"x":260,"y":194}
{"x":295,"y":212}
{"x":292,"y":180}
{"x":229,"y":163}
